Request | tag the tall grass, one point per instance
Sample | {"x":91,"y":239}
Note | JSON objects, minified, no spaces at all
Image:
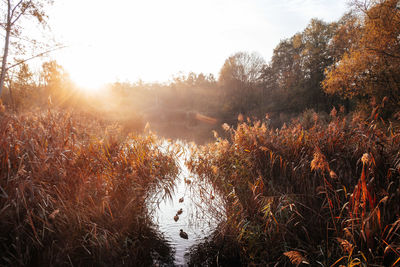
{"x":324,"y":195}
{"x":73,"y":191}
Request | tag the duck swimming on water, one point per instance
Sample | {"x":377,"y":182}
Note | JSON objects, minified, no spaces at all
{"x":179,"y":212}
{"x":176,"y":218}
{"x":183,"y":234}
{"x":181,"y":200}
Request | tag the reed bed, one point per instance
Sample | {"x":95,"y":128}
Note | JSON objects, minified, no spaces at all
{"x":322,"y":195}
{"x":73,"y":192}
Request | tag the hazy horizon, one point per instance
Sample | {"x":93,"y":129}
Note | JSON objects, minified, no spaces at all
{"x":155,"y":40}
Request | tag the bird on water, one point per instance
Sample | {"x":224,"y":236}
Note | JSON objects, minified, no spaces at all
{"x":176,"y":218}
{"x":179,"y":212}
{"x":181,"y":200}
{"x":183,"y":234}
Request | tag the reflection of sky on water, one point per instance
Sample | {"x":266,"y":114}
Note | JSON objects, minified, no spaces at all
{"x":195,"y":220}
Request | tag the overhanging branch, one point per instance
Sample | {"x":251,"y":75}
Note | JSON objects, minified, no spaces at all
{"x":35,"y":56}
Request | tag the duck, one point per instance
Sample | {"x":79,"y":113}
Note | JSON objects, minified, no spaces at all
{"x":176,"y":218}
{"x":181,"y":200}
{"x":183,"y":234}
{"x":179,"y":212}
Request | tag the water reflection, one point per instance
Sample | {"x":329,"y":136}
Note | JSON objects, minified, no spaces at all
{"x":195,"y":219}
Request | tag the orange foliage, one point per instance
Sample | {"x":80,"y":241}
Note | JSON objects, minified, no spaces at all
{"x":372,"y":66}
{"x":275,"y":202}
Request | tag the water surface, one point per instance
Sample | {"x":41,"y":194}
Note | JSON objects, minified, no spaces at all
{"x":196,"y":220}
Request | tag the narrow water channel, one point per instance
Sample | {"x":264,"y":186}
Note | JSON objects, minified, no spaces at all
{"x":196,"y":219}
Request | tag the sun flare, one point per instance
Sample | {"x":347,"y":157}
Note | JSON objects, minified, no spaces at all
{"x":88,"y":82}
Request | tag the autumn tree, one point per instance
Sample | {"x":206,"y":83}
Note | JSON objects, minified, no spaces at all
{"x":21,"y":86}
{"x":346,"y":36}
{"x":316,"y":57}
{"x":56,"y":81}
{"x":14,"y":14}
{"x":292,"y":80}
{"x":371,"y":68}
{"x":280,"y":77}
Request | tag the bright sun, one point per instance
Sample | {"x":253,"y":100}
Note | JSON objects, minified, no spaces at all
{"x":93,"y":66}
{"x":85,"y":68}
{"x":143,"y":42}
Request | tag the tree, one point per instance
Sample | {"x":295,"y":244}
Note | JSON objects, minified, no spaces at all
{"x":346,"y":36}
{"x":242,"y":66}
{"x":238,"y":77}
{"x":57,"y":82}
{"x":16,"y":12}
{"x":371,"y":69}
{"x":20,"y":86}
{"x":316,"y":57}
{"x":292,"y":80}
{"x":287,"y":74}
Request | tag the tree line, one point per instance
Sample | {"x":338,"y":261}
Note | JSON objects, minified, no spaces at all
{"x":351,"y":63}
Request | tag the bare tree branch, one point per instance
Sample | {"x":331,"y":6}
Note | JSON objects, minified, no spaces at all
{"x":22,"y":13}
{"x":35,"y":56}
{"x":15,"y":8}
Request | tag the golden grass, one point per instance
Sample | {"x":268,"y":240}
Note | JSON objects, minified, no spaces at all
{"x":73,"y":191}
{"x":329,"y":190}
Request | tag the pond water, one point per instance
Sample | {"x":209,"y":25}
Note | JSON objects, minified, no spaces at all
{"x":198,"y":218}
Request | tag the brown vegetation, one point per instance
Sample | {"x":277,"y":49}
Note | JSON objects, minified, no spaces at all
{"x":325,"y":195}
{"x":73,"y":191}
{"x":321,"y":190}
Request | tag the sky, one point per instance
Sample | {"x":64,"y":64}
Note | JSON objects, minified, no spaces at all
{"x":152,"y":40}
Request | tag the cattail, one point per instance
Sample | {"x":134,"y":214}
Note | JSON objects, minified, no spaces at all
{"x":333,"y":175}
{"x":319,"y":162}
{"x":346,"y":245}
{"x":366,"y":158}
{"x":296,"y":257}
